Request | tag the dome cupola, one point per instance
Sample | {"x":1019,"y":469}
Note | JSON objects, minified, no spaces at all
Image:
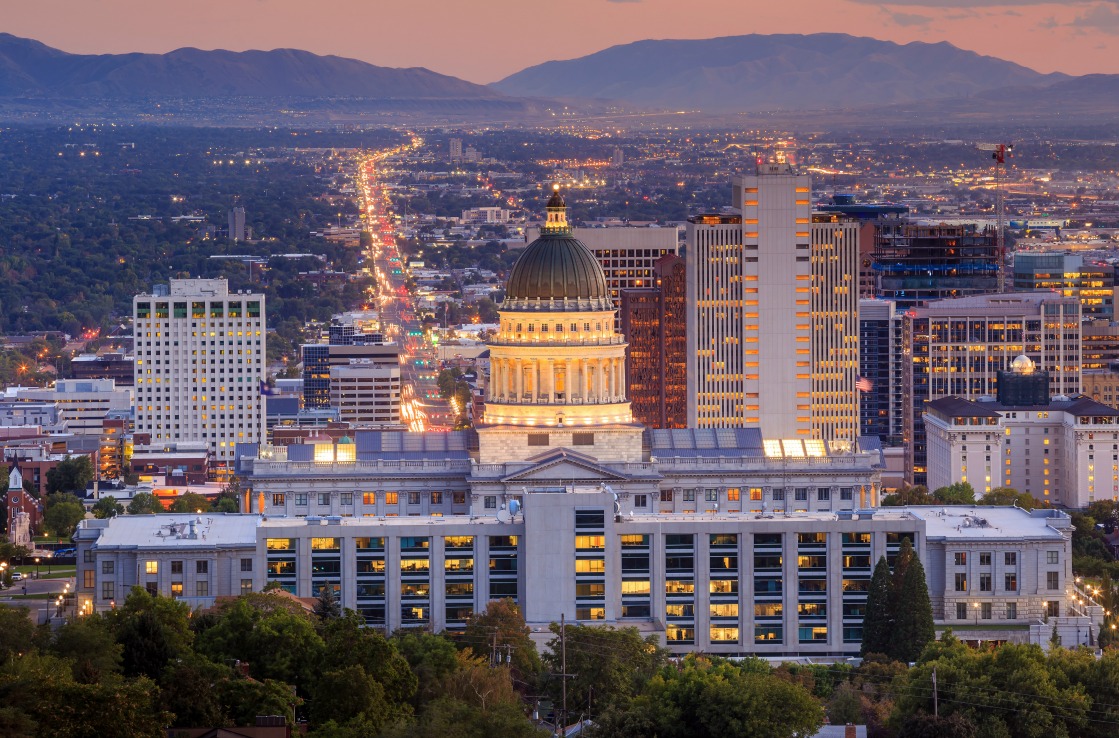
{"x":557,"y":272}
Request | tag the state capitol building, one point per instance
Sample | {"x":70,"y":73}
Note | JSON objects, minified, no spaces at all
{"x":716,"y":540}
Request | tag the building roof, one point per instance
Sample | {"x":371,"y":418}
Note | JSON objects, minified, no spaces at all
{"x":172,"y":531}
{"x":956,"y":407}
{"x":557,"y":267}
{"x":991,"y":523}
{"x":1077,"y":406}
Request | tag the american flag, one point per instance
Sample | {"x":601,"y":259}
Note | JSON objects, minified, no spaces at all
{"x":862,"y":384}
{"x":266,"y":388}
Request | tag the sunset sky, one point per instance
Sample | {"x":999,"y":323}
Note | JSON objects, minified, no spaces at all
{"x":485,"y":40}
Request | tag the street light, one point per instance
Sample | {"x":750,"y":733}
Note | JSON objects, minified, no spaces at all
{"x":36,"y":567}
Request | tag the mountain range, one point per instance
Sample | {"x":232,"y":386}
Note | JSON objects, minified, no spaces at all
{"x":773,"y":72}
{"x":29,"y":68}
{"x":854,"y":78}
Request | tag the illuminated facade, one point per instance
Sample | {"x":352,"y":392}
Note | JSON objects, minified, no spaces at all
{"x":958,"y":347}
{"x":652,"y":321}
{"x":200,"y":359}
{"x":1069,"y":275}
{"x":772,"y":323}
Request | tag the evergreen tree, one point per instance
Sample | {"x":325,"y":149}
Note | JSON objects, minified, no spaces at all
{"x":327,"y":606}
{"x":877,"y":622}
{"x":912,"y":613}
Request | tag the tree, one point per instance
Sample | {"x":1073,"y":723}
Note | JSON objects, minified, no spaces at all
{"x":431,"y":657}
{"x":189,"y":502}
{"x":908,"y":495}
{"x":709,"y":698}
{"x":145,"y":503}
{"x":912,"y":612}
{"x":878,"y":620}
{"x":72,"y":474}
{"x":923,"y":725}
{"x":107,"y":507}
{"x":16,"y":632}
{"x":1009,"y":496}
{"x":611,"y":665}
{"x":88,"y":644}
{"x":959,"y":493}
{"x":349,"y":642}
{"x":152,"y":630}
{"x":327,"y":605}
{"x":501,"y":628}
{"x":62,"y":513}
{"x":348,"y":696}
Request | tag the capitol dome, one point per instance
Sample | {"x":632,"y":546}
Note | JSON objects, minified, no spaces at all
{"x":557,"y":271}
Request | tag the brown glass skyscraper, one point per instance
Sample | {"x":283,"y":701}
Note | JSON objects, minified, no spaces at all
{"x":652,"y":320}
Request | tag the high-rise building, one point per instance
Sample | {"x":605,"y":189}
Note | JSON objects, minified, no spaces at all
{"x":456,"y":150}
{"x":652,"y":320}
{"x":619,"y":157}
{"x":772,"y":324}
{"x":237,"y":224}
{"x":913,"y":264}
{"x":881,"y":360}
{"x":200,"y":363}
{"x":1100,"y":344}
{"x":1093,"y":283}
{"x":959,"y":346}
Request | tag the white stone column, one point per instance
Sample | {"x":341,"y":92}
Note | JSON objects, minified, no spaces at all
{"x":547,"y":381}
{"x":519,"y":379}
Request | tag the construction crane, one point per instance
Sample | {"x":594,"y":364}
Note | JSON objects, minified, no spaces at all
{"x":998,"y":153}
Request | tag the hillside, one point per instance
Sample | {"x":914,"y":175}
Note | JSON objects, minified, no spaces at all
{"x":791,"y":72}
{"x":31,"y":69}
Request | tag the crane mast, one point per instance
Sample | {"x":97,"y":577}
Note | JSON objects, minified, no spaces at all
{"x":998,"y":153}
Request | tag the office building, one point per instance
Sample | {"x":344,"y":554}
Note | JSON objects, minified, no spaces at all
{"x":366,"y":392}
{"x":772,"y":324}
{"x":1071,"y":275}
{"x":83,"y":403}
{"x":456,"y":150}
{"x":881,"y":360}
{"x":780,"y":587}
{"x":1102,"y":385}
{"x":959,"y":346}
{"x":652,"y":322}
{"x":237,"y":224}
{"x":1061,"y":450}
{"x":319,"y":359}
{"x":200,"y":364}
{"x":115,"y":366}
{"x":914,"y":264}
{"x":870,"y":215}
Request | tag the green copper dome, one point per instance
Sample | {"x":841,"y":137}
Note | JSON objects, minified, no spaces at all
{"x":557,"y":271}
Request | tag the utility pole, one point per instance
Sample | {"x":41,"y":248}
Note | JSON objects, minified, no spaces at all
{"x":936,"y":701}
{"x":563,"y":677}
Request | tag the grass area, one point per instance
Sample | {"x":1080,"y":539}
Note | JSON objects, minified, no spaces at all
{"x":37,"y":596}
{"x":55,"y":572}
{"x":965,"y":628}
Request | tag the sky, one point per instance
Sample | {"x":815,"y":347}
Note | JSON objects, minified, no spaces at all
{"x":486,"y":40}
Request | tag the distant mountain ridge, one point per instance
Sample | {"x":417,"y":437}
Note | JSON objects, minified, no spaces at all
{"x":783,"y":71}
{"x":29,"y":68}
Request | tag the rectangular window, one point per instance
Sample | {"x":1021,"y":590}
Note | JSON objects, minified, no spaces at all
{"x":986,"y":611}
{"x":823,"y":494}
{"x":689,"y":495}
{"x":801,"y":494}
{"x":278,"y":499}
{"x":960,"y":558}
{"x":89,"y":579}
{"x":490,"y":502}
{"x":151,"y":567}
{"x":984,"y":582}
{"x":202,"y":567}
{"x":961,"y":611}
{"x":246,"y":586}
{"x":107,"y":590}
{"x":666,"y":495}
{"x":641,"y":501}
{"x":176,"y":589}
{"x":1052,"y":580}
{"x":152,"y":588}
{"x":594,"y":519}
{"x":202,"y":588}
{"x":369,"y":498}
{"x":1010,"y":558}
{"x":985,"y":558}
{"x":581,"y":439}
{"x":413,"y":498}
{"x":537,"y":439}
{"x":1053,"y":609}
{"x":1052,"y":557}
{"x":324,"y":498}
{"x":1011,"y":582}
{"x":301,"y":498}
{"x":107,"y":567}
{"x":711,"y":495}
{"x":347,"y":498}
{"x":961,"y":582}
{"x":246,"y":564}
{"x":1012,"y":611}
{"x":176,"y":567}
{"x":391,"y":498}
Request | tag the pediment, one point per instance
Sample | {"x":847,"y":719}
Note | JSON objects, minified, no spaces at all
{"x":561,"y":466}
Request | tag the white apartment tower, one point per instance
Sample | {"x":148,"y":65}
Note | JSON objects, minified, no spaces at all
{"x":200,"y":361}
{"x":772,"y":320}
